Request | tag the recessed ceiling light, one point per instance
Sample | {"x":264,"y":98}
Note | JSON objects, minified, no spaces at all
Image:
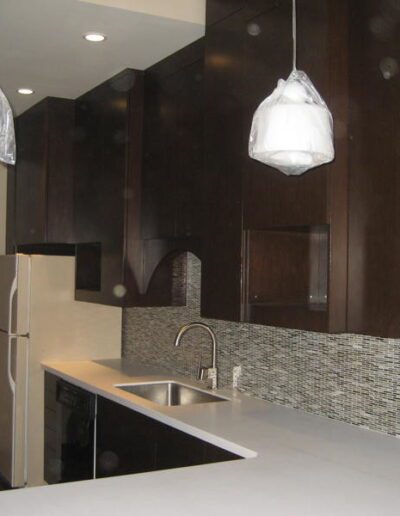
{"x":25,"y":91}
{"x":94,"y":37}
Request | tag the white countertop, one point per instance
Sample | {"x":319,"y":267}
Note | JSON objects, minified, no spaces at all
{"x":302,"y":464}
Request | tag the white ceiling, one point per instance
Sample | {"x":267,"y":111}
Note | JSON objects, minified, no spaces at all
{"x":41,"y":44}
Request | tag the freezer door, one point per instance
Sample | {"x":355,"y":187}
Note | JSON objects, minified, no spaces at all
{"x":14,"y":294}
{"x":13,"y":408}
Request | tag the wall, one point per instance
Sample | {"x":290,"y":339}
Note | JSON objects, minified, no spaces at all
{"x":3,"y":206}
{"x":192,"y":11}
{"x":351,"y":378}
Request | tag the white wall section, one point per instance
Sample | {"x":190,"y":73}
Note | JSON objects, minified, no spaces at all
{"x":192,"y":11}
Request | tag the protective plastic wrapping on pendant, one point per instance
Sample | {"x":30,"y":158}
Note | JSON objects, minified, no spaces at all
{"x":292,"y":129}
{"x":7,"y":135}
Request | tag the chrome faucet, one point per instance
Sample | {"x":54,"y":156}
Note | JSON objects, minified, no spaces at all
{"x":212,"y":372}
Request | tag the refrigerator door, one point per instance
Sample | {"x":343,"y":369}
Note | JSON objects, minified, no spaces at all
{"x":14,"y":294}
{"x":13,"y":408}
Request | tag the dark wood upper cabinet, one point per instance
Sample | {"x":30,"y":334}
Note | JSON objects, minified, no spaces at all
{"x":268,"y":235}
{"x":116,"y":265}
{"x":173,"y":168}
{"x":374,"y":168}
{"x":107,"y":155}
{"x":319,"y":251}
{"x":271,"y":239}
{"x":43,"y":189}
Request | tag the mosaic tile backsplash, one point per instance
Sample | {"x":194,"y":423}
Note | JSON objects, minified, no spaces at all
{"x":352,"y":378}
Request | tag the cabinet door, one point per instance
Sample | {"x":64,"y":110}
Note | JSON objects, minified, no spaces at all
{"x":126,"y":440}
{"x":60,"y":134}
{"x":69,"y":432}
{"x":31,"y":176}
{"x":215,"y":454}
{"x":224,"y":151}
{"x":374,"y":187}
{"x":173,"y":146}
{"x":189,"y":155}
{"x":44,"y":173}
{"x":175,"y":449}
{"x":158,"y":172}
{"x":106,"y":183}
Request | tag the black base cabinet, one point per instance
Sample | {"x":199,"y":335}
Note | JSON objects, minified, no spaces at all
{"x":129,"y":442}
{"x":126,"y":440}
{"x":87,"y":436}
{"x":69,"y":432}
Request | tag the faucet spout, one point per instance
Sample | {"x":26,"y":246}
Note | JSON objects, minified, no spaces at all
{"x":187,"y":327}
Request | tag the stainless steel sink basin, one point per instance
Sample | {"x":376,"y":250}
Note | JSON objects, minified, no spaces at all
{"x":170,"y":393}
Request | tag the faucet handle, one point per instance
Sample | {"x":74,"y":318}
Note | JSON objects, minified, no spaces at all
{"x":203,"y":373}
{"x":212,"y":374}
{"x":209,"y":374}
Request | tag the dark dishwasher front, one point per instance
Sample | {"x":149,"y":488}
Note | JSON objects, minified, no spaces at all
{"x":69,"y":432}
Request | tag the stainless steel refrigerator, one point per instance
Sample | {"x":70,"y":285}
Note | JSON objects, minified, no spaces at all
{"x":41,"y":321}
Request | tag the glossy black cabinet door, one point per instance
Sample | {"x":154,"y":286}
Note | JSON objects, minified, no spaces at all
{"x":128,"y":442}
{"x":177,"y":449}
{"x":69,"y":432}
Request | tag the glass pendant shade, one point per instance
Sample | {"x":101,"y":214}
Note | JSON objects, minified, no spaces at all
{"x":7,"y":136}
{"x":292,"y":129}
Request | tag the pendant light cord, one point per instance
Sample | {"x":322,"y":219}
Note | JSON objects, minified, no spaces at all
{"x":294,"y":34}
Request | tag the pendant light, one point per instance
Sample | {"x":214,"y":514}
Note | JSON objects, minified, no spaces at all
{"x":7,"y":136}
{"x":292,"y":128}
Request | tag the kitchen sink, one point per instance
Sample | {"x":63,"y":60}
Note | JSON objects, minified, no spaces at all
{"x":170,"y":393}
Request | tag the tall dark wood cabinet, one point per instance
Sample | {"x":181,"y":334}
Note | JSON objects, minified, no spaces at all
{"x":374,"y":168}
{"x":107,"y":178}
{"x":173,"y":167}
{"x":43,"y":189}
{"x":113,"y":258}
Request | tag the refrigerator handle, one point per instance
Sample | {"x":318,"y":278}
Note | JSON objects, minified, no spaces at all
{"x":11,"y":380}
{"x":13,"y":290}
